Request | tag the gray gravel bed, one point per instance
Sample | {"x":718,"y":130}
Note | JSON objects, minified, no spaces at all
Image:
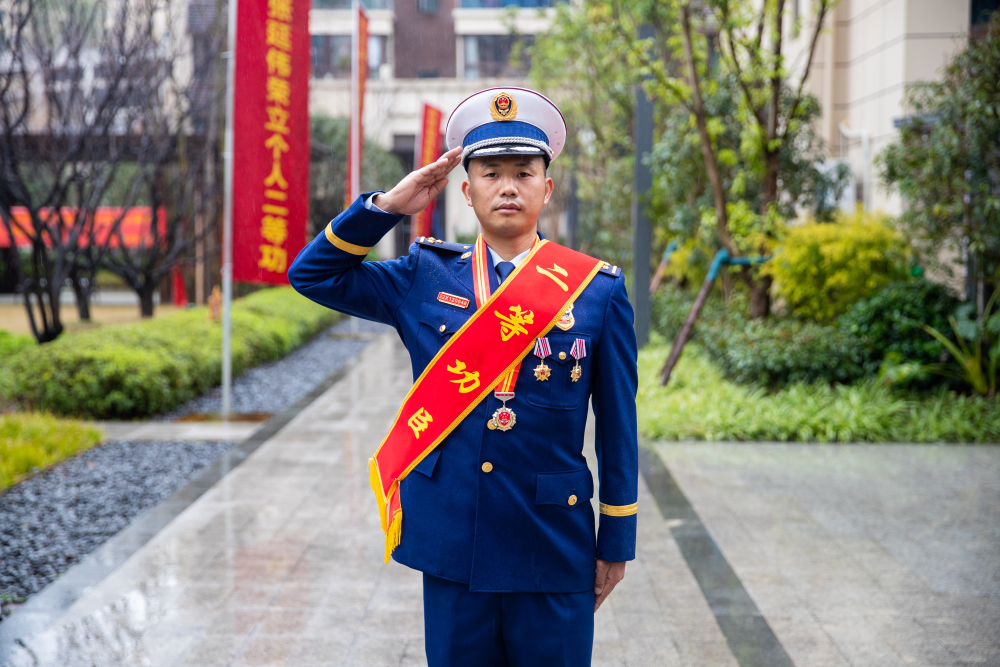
{"x":275,"y":386}
{"x":51,"y":521}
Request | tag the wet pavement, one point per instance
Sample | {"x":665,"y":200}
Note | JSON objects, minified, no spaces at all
{"x":748,"y":555}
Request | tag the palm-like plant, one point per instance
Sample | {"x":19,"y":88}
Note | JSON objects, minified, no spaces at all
{"x":976,"y":349}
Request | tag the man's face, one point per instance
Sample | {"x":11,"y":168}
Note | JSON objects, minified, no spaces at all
{"x":508,"y":192}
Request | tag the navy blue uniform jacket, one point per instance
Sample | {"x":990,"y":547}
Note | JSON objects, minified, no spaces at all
{"x":513,"y":528}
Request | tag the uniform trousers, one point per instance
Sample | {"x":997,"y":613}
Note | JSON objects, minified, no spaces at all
{"x":463,"y":628}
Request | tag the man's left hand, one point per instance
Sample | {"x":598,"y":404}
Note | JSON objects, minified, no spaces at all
{"x":608,"y":576}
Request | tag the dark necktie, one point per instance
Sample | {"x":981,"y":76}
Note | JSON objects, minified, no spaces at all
{"x":504,"y":269}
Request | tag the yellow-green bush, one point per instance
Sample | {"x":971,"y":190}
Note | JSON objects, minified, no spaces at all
{"x":32,"y":441}
{"x":822,"y":269}
{"x":125,"y":372}
{"x":689,"y":263}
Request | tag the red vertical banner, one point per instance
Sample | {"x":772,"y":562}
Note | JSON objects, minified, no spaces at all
{"x":271,"y":138}
{"x":428,"y":149}
{"x":359,"y":74}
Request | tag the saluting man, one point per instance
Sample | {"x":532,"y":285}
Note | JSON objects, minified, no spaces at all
{"x":481,"y":483}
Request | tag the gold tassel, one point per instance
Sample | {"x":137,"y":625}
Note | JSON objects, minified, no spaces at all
{"x":377,"y":490}
{"x":394,"y":534}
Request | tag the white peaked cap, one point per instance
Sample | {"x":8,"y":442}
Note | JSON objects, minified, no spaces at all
{"x":506,"y":120}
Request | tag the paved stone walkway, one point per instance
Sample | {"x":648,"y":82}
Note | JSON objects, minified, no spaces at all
{"x":280,"y":562}
{"x":879,"y":555}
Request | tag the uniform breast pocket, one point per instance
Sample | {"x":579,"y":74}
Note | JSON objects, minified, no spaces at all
{"x":566,"y":385}
{"x":438,"y":323}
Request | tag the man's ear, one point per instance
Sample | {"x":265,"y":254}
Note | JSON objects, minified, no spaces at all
{"x":467,"y":191}
{"x":549,"y":187}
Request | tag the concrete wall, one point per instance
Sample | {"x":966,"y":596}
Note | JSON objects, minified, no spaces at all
{"x":878,"y":48}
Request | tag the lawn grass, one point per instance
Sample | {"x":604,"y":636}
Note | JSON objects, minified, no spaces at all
{"x":30,"y":442}
{"x":700,"y":403}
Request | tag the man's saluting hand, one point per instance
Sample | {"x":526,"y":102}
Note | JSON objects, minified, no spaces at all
{"x":414,"y":193}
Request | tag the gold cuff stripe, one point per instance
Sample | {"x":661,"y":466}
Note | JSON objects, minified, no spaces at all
{"x":344,"y":245}
{"x":619,"y":510}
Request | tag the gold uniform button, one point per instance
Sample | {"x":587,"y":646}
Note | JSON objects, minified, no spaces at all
{"x":571,"y":500}
{"x":562,"y":355}
{"x":466,"y":255}
{"x":487,"y":467}
{"x":442,"y":328}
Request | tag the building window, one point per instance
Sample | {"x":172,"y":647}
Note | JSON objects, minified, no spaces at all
{"x":497,"y":55}
{"x":427,"y":6}
{"x":331,"y":56}
{"x":981,"y":11}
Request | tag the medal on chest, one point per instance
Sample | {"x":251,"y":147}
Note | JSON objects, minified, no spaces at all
{"x":542,"y":351}
{"x":578,"y":352}
{"x":503,"y":419}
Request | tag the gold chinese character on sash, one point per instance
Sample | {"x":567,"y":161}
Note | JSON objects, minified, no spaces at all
{"x":512,"y":325}
{"x":469,"y":379}
{"x":419,"y":421}
{"x":558,"y":269}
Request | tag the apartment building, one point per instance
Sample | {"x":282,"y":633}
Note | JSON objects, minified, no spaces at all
{"x":433,"y":51}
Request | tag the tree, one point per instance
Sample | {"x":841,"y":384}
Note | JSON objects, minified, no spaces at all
{"x":580,"y":64}
{"x":171,"y":171}
{"x":68,"y":79}
{"x":682,"y":196}
{"x":946,"y":162}
{"x":772,"y":109}
{"x":735,"y":148}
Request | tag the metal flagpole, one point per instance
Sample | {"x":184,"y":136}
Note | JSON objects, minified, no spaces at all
{"x":642,"y":239}
{"x":355,"y":176}
{"x":227,"y":221}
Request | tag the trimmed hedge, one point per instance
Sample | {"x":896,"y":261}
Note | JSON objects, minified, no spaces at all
{"x":127,"y":372}
{"x":31,"y":442}
{"x":11,"y":343}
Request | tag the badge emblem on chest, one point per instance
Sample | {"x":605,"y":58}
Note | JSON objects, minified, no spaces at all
{"x":567,"y":321}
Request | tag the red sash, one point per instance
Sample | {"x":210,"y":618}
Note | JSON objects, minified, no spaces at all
{"x":486,"y":351}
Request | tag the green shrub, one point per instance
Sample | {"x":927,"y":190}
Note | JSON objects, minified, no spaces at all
{"x":31,"y":442}
{"x":700,"y":404}
{"x":768,"y":352}
{"x":891,"y":319}
{"x":125,"y":372}
{"x":975,"y":349}
{"x":822,"y":269}
{"x":11,"y":343}
{"x":775,"y":353}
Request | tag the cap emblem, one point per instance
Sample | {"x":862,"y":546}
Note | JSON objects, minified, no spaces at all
{"x":503,"y":107}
